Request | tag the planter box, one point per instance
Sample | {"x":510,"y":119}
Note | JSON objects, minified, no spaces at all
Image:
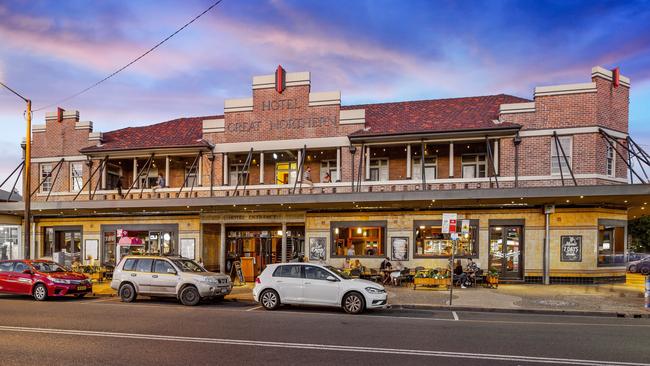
{"x":433,"y":282}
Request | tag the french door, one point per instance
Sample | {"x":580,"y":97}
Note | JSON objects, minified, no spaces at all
{"x":506,"y":251}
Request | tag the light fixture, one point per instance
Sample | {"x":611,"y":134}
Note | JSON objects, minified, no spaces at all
{"x":166,"y":236}
{"x":359,"y":231}
{"x":336,"y":231}
{"x":567,"y":201}
{"x":582,"y":196}
{"x":275,"y":156}
{"x":279,"y":232}
{"x":365,"y":233}
{"x":498,"y":228}
{"x":625,"y":201}
{"x":422,"y":227}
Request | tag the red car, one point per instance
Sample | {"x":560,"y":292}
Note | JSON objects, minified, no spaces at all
{"x":41,"y":279}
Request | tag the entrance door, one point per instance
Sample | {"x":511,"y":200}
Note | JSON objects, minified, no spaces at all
{"x":506,"y":248}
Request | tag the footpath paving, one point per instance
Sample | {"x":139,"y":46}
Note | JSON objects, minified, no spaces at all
{"x":625,"y":299}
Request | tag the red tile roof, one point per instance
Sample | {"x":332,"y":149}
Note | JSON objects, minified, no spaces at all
{"x":180,"y":132}
{"x":436,"y":115}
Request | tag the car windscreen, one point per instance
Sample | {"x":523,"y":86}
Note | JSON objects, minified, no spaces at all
{"x":48,"y":267}
{"x":187,"y":265}
{"x":338,"y":272}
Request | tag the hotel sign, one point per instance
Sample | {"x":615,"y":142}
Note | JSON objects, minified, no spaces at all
{"x":284,"y":124}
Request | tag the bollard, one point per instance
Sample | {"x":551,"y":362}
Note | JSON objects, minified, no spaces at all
{"x":647,"y":292}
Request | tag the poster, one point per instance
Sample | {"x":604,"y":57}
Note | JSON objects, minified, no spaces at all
{"x":571,"y":248}
{"x":449,"y":223}
{"x":399,"y":248}
{"x":91,"y":250}
{"x":464,"y":227}
{"x":317,"y":249}
{"x":187,"y":248}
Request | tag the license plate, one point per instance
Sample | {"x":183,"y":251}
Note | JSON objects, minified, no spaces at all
{"x":81,"y":288}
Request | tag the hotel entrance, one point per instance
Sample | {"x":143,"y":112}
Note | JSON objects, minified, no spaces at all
{"x":506,"y":251}
{"x":258,"y":246}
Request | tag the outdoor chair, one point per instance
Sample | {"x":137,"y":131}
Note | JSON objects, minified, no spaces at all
{"x":355,"y":273}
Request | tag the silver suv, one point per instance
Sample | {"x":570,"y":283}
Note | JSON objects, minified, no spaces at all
{"x":169,"y":277}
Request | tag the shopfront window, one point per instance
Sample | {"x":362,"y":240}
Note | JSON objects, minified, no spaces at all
{"x":430,"y":242}
{"x":359,"y":239}
{"x":63,"y":244}
{"x":9,"y":242}
{"x":611,"y":245}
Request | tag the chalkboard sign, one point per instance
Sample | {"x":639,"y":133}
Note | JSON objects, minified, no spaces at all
{"x":236,"y":266}
{"x":571,"y":248}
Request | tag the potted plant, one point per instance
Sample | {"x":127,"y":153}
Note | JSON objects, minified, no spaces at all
{"x":492,"y":278}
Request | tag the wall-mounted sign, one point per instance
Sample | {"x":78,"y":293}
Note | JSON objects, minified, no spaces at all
{"x":571,"y":248}
{"x":464,"y":227}
{"x":399,"y":248}
{"x":317,"y":248}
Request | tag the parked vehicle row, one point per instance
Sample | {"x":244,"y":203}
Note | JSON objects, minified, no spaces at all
{"x":189,"y":282}
{"x":640,"y":266}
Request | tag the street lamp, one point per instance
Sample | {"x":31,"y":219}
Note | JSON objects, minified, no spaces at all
{"x":27,"y":181}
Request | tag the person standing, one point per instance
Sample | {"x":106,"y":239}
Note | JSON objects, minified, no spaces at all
{"x":306,"y":177}
{"x":119,"y":187}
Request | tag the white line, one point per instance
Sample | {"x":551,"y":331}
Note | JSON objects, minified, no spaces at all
{"x":455,"y":315}
{"x":255,"y":308}
{"x":320,"y":347}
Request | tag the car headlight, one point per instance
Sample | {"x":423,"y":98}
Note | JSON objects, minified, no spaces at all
{"x":374,"y":290}
{"x":59,"y":280}
{"x":209,"y":279}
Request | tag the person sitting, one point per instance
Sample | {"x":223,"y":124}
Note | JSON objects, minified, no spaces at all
{"x":385,"y":264}
{"x":472,"y":270}
{"x":160,"y":182}
{"x":347,"y":264}
{"x":356,"y":264}
{"x":327,"y":178}
{"x":460,"y":277}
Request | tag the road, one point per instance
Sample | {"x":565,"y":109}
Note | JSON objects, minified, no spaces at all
{"x":104,"y":331}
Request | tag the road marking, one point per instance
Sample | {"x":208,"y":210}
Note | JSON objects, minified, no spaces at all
{"x":320,"y":347}
{"x":455,"y":315}
{"x":255,"y":308}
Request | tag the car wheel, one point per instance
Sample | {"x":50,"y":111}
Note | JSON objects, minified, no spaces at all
{"x":127,"y":293}
{"x":270,"y":299}
{"x":632,"y":269}
{"x":353,"y":303}
{"x":645,"y":270}
{"x":40,"y":292}
{"x":190,"y":296}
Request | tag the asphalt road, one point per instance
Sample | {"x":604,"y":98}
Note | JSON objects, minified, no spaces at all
{"x":104,"y":331}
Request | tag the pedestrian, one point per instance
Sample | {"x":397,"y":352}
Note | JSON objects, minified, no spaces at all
{"x":118,"y":185}
{"x":351,"y":252}
{"x":306,"y":177}
{"x":160,"y":182}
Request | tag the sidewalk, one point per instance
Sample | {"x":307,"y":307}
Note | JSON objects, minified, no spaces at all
{"x":624,"y":299}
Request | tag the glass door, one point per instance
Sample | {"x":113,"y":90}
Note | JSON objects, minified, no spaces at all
{"x":506,"y":244}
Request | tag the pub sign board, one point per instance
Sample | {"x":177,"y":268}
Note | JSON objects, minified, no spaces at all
{"x":571,"y":248}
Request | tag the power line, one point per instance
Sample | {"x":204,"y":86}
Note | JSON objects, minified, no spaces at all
{"x":130,"y":63}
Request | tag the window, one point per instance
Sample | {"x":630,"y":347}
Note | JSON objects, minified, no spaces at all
{"x":143,"y":265}
{"x":474,"y":165}
{"x":21,"y":267}
{"x":287,"y":271}
{"x":113,"y":174}
{"x":237,"y":175}
{"x":48,"y":241}
{"x":610,"y":161}
{"x":378,"y":170}
{"x":46,"y":177}
{"x":611,"y":245}
{"x":315,"y":273}
{"x":431,"y":242}
{"x":358,"y":239}
{"x":328,"y":166}
{"x":430,"y":168}
{"x":566,"y":144}
{"x":9,"y":242}
{"x":161,"y":266}
{"x":191,"y":176}
{"x":6,"y":266}
{"x":129,"y":265}
{"x":76,"y":177}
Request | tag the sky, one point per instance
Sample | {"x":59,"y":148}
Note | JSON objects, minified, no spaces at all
{"x":372,"y":51}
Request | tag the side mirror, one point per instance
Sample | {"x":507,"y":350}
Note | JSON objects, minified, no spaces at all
{"x":171,"y":270}
{"x":28,"y":271}
{"x":331,"y":278}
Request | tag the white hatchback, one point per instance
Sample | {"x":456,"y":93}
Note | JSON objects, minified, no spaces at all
{"x":314,"y":284}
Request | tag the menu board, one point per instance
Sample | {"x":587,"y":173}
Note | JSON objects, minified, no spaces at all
{"x":571,"y":248}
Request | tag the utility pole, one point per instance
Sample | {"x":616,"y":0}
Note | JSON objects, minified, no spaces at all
{"x":27,"y":183}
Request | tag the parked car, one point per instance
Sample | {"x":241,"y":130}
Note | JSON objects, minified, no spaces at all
{"x":641,"y":266}
{"x":314,"y":284}
{"x":177,"y":277}
{"x":42,"y":279}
